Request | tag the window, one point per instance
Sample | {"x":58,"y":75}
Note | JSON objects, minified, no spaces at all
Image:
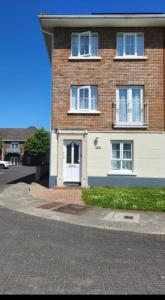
{"x":14,"y":145}
{"x":84,"y":44}
{"x":84,"y":98}
{"x":130,"y":44}
{"x":121,"y":159}
{"x":129,"y":105}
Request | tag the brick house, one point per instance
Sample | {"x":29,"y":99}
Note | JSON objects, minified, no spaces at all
{"x":14,"y":144}
{"x":108,"y":98}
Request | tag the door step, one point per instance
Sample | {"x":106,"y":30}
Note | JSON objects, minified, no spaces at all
{"x":68,"y":187}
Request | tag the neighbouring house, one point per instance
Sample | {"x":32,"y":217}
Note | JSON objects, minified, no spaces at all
{"x":14,"y":144}
{"x":108,"y":99}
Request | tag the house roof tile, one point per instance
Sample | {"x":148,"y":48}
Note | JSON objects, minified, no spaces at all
{"x":17,"y":134}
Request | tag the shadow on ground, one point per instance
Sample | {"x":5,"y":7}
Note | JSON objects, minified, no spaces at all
{"x":26,"y":179}
{"x":44,"y":181}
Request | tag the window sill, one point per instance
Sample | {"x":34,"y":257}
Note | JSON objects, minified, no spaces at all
{"x":84,"y":112}
{"x":130,"y":58}
{"x":112,"y":173}
{"x":84,"y":58}
{"x":145,"y":125}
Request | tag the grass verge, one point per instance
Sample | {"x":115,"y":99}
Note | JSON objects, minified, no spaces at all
{"x":130,"y":198}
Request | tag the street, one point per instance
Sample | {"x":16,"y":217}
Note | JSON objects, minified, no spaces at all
{"x":17,"y":174}
{"x":39,"y":256}
{"x":44,"y":256}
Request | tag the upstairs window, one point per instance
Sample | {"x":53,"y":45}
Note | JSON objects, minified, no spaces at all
{"x":129,"y":105}
{"x":85,"y":44}
{"x":14,"y":145}
{"x":84,"y":98}
{"x":130,"y":44}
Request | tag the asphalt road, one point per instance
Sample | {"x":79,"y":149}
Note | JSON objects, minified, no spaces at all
{"x":17,"y":174}
{"x":39,"y":256}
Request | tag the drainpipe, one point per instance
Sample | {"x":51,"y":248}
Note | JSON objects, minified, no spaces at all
{"x":50,"y":154}
{"x":52,"y":37}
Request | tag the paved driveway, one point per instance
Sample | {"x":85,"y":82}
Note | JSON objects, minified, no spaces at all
{"x":39,"y":256}
{"x":17,"y":174}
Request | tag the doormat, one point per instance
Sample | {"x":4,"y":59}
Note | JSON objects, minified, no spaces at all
{"x":73,"y":209}
{"x":51,"y":205}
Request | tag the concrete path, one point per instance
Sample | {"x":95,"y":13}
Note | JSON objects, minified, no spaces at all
{"x":20,"y":197}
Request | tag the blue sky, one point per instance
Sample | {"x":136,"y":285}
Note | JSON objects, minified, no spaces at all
{"x":25,"y":75}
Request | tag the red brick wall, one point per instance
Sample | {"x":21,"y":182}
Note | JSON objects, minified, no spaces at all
{"x":107,"y":74}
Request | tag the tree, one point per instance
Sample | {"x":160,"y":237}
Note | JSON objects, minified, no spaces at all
{"x":38,"y":145}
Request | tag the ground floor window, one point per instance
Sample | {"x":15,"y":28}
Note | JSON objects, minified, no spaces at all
{"x":122,"y":156}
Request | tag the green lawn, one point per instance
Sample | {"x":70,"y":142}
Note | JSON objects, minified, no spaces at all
{"x":130,"y":198}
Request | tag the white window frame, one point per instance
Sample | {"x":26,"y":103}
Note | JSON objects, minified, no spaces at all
{"x":83,"y":110}
{"x":124,"y":45}
{"x":89,"y":33}
{"x":121,"y":159}
{"x":129,"y":105}
{"x":81,"y":88}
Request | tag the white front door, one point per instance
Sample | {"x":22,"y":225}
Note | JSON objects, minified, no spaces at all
{"x":72,"y":161}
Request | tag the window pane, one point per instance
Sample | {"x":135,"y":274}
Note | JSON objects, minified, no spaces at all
{"x":130,"y":44}
{"x":115,"y":164}
{"x":127,"y":165}
{"x":140,"y":44}
{"x":94,"y":97}
{"x":76,"y":154}
{"x":116,"y":146}
{"x":127,"y":154}
{"x":74,"y":98}
{"x":75,"y":41}
{"x":84,"y":44}
{"x":123,"y":94}
{"x":69,"y":154}
{"x":115,"y":150}
{"x":84,"y":99}
{"x":123,"y":105}
{"x":94,"y":44}
{"x":127,"y":151}
{"x":127,"y":147}
{"x":119,"y":45}
{"x":136,"y":105}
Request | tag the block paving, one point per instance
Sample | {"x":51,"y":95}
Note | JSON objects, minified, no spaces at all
{"x":39,"y":256}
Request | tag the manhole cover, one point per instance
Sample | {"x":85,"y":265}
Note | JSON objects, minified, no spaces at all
{"x":51,"y":205}
{"x":72,"y":209}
